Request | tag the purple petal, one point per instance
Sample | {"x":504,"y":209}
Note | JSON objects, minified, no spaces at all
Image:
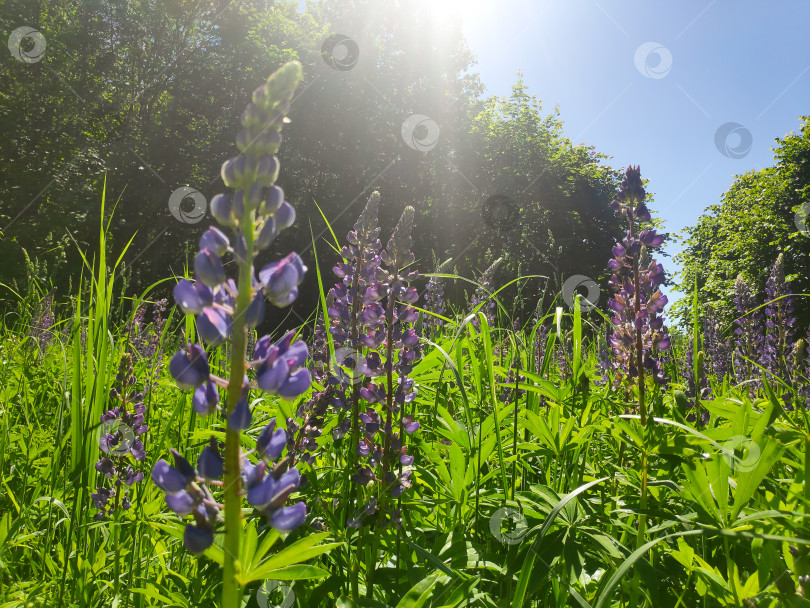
{"x":240,"y":418}
{"x":297,"y":384}
{"x":289,"y":518}
{"x":272,"y":379}
{"x":197,"y":540}
{"x":181,"y":502}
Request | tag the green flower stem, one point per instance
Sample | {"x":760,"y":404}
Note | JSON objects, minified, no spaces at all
{"x":231,"y":595}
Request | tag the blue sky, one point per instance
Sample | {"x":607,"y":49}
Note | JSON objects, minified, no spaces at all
{"x":714,"y":62}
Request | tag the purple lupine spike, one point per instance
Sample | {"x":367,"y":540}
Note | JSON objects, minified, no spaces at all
{"x":637,"y":303}
{"x":256,"y":212}
{"x":42,"y":322}
{"x":120,"y":439}
{"x":481,"y":298}
{"x":779,"y":322}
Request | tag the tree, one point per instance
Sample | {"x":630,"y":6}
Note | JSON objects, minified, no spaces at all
{"x":755,"y":221}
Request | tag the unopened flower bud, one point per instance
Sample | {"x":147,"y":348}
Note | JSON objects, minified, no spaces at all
{"x":222,"y":210}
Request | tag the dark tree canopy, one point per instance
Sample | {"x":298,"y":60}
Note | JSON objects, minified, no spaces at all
{"x":148,"y":95}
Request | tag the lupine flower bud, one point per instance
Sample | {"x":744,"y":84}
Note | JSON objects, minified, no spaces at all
{"x":209,"y":464}
{"x":255,"y":312}
{"x":208,"y":267}
{"x":273,"y":199}
{"x":285,"y":216}
{"x":206,"y":398}
{"x":214,"y":326}
{"x":222,"y":210}
{"x":241,"y":416}
{"x":197,"y":540}
{"x":267,"y":234}
{"x":271,"y":441}
{"x":215,"y":241}
{"x":189,"y":367}
{"x":267,"y":171}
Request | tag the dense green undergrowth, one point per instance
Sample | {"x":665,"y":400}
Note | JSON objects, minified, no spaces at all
{"x":527,"y":497}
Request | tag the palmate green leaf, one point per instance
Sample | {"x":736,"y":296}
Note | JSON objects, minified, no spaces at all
{"x":300,"y":551}
{"x":699,"y":487}
{"x":748,"y":481}
{"x":607,"y":591}
{"x":519,"y":597}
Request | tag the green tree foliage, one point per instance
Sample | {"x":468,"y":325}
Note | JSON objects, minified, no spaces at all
{"x":147,"y":94}
{"x":743,"y":234}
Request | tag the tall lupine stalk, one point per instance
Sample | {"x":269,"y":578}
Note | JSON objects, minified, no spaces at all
{"x":715,"y":346}
{"x":225,"y":309}
{"x":121,"y":428}
{"x":400,"y":337}
{"x":434,"y":302}
{"x":779,"y":322}
{"x":356,"y":319}
{"x":748,"y":332}
{"x":482,"y":296}
{"x":639,"y":334}
{"x":42,"y":323}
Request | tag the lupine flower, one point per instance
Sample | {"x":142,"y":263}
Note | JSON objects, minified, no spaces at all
{"x":121,"y":429}
{"x":225,"y":310}
{"x":748,"y":333}
{"x":434,"y":301}
{"x":356,"y":317}
{"x":482,"y":296}
{"x":42,"y":323}
{"x":715,"y":345}
{"x":779,"y":322}
{"x":802,"y":363}
{"x":637,"y":302}
{"x":145,"y":340}
{"x":382,"y":442}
